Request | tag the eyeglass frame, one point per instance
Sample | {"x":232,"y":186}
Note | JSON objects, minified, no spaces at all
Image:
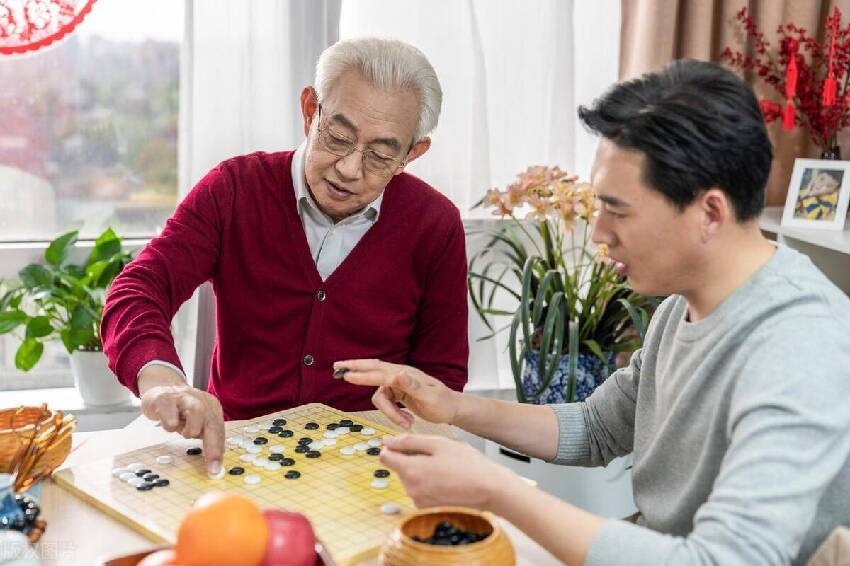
{"x":399,"y":162}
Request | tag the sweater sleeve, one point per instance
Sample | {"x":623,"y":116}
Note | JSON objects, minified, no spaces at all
{"x":439,"y":345}
{"x":601,"y":428}
{"x":788,"y":441}
{"x":144,"y":298}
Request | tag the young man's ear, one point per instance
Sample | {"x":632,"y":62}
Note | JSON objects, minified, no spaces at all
{"x":417,"y":151}
{"x":716,"y":211}
{"x":309,"y":106}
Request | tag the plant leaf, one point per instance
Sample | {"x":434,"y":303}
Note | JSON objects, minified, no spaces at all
{"x":35,"y":275}
{"x":28,"y":354}
{"x":57,"y":251}
{"x":10,"y":320}
{"x":39,"y":327}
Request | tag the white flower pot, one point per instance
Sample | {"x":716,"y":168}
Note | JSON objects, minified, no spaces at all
{"x":97,"y":385}
{"x":602,"y":491}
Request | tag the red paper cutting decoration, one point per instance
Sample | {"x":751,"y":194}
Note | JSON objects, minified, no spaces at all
{"x":29,"y":25}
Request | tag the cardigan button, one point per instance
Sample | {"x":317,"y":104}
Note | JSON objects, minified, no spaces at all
{"x":321,"y":295}
{"x":308,"y":360}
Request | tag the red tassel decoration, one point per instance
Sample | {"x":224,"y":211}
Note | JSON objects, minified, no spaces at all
{"x":830,"y":86}
{"x":830,"y":89}
{"x":788,"y":117}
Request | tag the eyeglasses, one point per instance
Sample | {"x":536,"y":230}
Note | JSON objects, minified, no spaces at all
{"x":374,"y":162}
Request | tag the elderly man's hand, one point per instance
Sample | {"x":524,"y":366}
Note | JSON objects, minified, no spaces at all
{"x":439,"y":471}
{"x":425,"y":396}
{"x":178,"y":407}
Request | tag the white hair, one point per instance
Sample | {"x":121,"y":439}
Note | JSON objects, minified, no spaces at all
{"x":386,"y":63}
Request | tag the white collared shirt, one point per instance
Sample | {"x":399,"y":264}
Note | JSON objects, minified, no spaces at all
{"x":329,"y":243}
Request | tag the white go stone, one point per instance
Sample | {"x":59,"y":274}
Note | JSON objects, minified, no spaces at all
{"x":246,"y":443}
{"x":248,"y":457}
{"x":252,"y":479}
{"x":380,"y":483}
{"x":277,"y":449}
{"x":234,"y":441}
{"x":361,"y":446}
{"x":329,"y":441}
{"x":135,"y":482}
{"x":331,"y":434}
{"x":254,"y":449}
{"x":368,"y":431}
{"x":272,"y":466}
{"x":164,"y":459}
{"x":251,"y":429}
{"x":118,"y":471}
{"x":126,"y":476}
{"x":374,"y":442}
{"x":347,"y":451}
{"x":261,"y":462}
{"x":217,"y":476}
{"x":390,"y":508}
{"x":342,"y":430}
{"x":135,"y":466}
{"x":316,"y":445}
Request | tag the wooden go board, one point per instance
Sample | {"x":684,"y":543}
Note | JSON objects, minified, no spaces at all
{"x":334,"y":490}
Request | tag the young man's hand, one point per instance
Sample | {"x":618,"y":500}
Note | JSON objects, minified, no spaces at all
{"x":439,"y":471}
{"x":178,"y":407}
{"x":423,"y":395}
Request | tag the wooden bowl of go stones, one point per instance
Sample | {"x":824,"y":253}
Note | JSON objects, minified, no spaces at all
{"x":448,"y":536}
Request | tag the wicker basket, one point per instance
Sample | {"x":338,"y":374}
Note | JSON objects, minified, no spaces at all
{"x":34,"y":441}
{"x":401,"y":550}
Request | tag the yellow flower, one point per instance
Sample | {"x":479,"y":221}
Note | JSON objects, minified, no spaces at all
{"x":602,"y":253}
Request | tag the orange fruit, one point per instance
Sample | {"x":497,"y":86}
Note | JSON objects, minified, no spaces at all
{"x":222,"y":529}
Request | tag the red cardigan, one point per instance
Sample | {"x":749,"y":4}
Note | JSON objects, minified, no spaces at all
{"x":400,"y":295}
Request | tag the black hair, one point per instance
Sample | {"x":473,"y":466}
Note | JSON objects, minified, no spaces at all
{"x":698,"y":125}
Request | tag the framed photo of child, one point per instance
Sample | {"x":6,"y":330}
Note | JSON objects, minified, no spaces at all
{"x":818,"y":194}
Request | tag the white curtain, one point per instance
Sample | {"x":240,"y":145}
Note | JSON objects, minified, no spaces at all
{"x":510,"y":83}
{"x":244,"y":65}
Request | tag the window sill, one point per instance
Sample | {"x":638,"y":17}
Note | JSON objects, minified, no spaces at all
{"x":68,"y":400}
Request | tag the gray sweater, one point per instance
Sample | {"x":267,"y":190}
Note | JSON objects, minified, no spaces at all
{"x":739,"y":425}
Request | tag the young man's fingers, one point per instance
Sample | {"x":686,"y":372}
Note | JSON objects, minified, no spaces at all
{"x":359,"y":365}
{"x":415,"y":443}
{"x":384,"y":402}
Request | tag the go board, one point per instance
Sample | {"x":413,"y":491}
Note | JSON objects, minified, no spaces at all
{"x":352,"y":510}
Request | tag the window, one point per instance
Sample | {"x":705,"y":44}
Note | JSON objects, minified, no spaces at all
{"x":88,"y":139}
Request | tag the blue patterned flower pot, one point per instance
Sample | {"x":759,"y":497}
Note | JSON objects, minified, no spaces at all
{"x":590,"y":373}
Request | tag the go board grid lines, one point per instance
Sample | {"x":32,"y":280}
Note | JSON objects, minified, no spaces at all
{"x":334,"y":490}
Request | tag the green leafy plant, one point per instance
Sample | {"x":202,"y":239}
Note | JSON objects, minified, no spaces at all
{"x":568,"y":298}
{"x":60,"y":300}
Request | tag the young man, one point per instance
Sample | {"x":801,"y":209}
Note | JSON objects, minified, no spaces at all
{"x":326,"y":251}
{"x":735,"y":409}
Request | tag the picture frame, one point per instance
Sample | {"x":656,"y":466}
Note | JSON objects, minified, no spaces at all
{"x":818,"y":195}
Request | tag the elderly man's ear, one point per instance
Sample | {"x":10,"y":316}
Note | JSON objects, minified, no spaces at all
{"x":309,"y":105}
{"x":418,"y":149}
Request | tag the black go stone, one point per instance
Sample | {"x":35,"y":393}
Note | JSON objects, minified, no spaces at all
{"x":279,"y":422}
{"x":193,"y":451}
{"x":381,"y":473}
{"x":292,"y":475}
{"x":147,"y":486}
{"x":287,"y":462}
{"x":346,"y":422}
{"x":150,"y":477}
{"x":275,"y":457}
{"x":333,"y":426}
{"x":236,"y":471}
{"x":356,"y":427}
{"x":313,"y":454}
{"x":446,"y":534}
{"x":143,"y":473}
{"x":161,"y":482}
{"x":311,"y":426}
{"x":286,"y":433}
{"x":275,"y":429}
{"x":305,"y":440}
{"x":373,"y":451}
{"x":301,"y":449}
{"x":261,"y":440}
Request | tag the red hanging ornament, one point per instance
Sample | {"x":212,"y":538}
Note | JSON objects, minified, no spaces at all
{"x":29,"y":25}
{"x":830,"y":85}
{"x":788,"y":117}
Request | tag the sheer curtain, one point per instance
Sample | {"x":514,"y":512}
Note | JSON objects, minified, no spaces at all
{"x":512,"y":75}
{"x":244,"y":65}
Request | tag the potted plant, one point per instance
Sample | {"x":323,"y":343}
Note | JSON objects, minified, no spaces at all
{"x":569,"y":310}
{"x":62,"y":300}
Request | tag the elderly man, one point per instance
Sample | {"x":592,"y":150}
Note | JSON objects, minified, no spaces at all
{"x":735,"y":409}
{"x":324,"y":253}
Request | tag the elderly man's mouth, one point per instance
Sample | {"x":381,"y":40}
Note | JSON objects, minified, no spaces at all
{"x":337,"y":191}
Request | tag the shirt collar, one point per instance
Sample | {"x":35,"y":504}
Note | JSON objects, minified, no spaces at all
{"x":305,"y":200}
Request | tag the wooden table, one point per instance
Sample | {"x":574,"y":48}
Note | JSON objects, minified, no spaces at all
{"x":79,"y":534}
